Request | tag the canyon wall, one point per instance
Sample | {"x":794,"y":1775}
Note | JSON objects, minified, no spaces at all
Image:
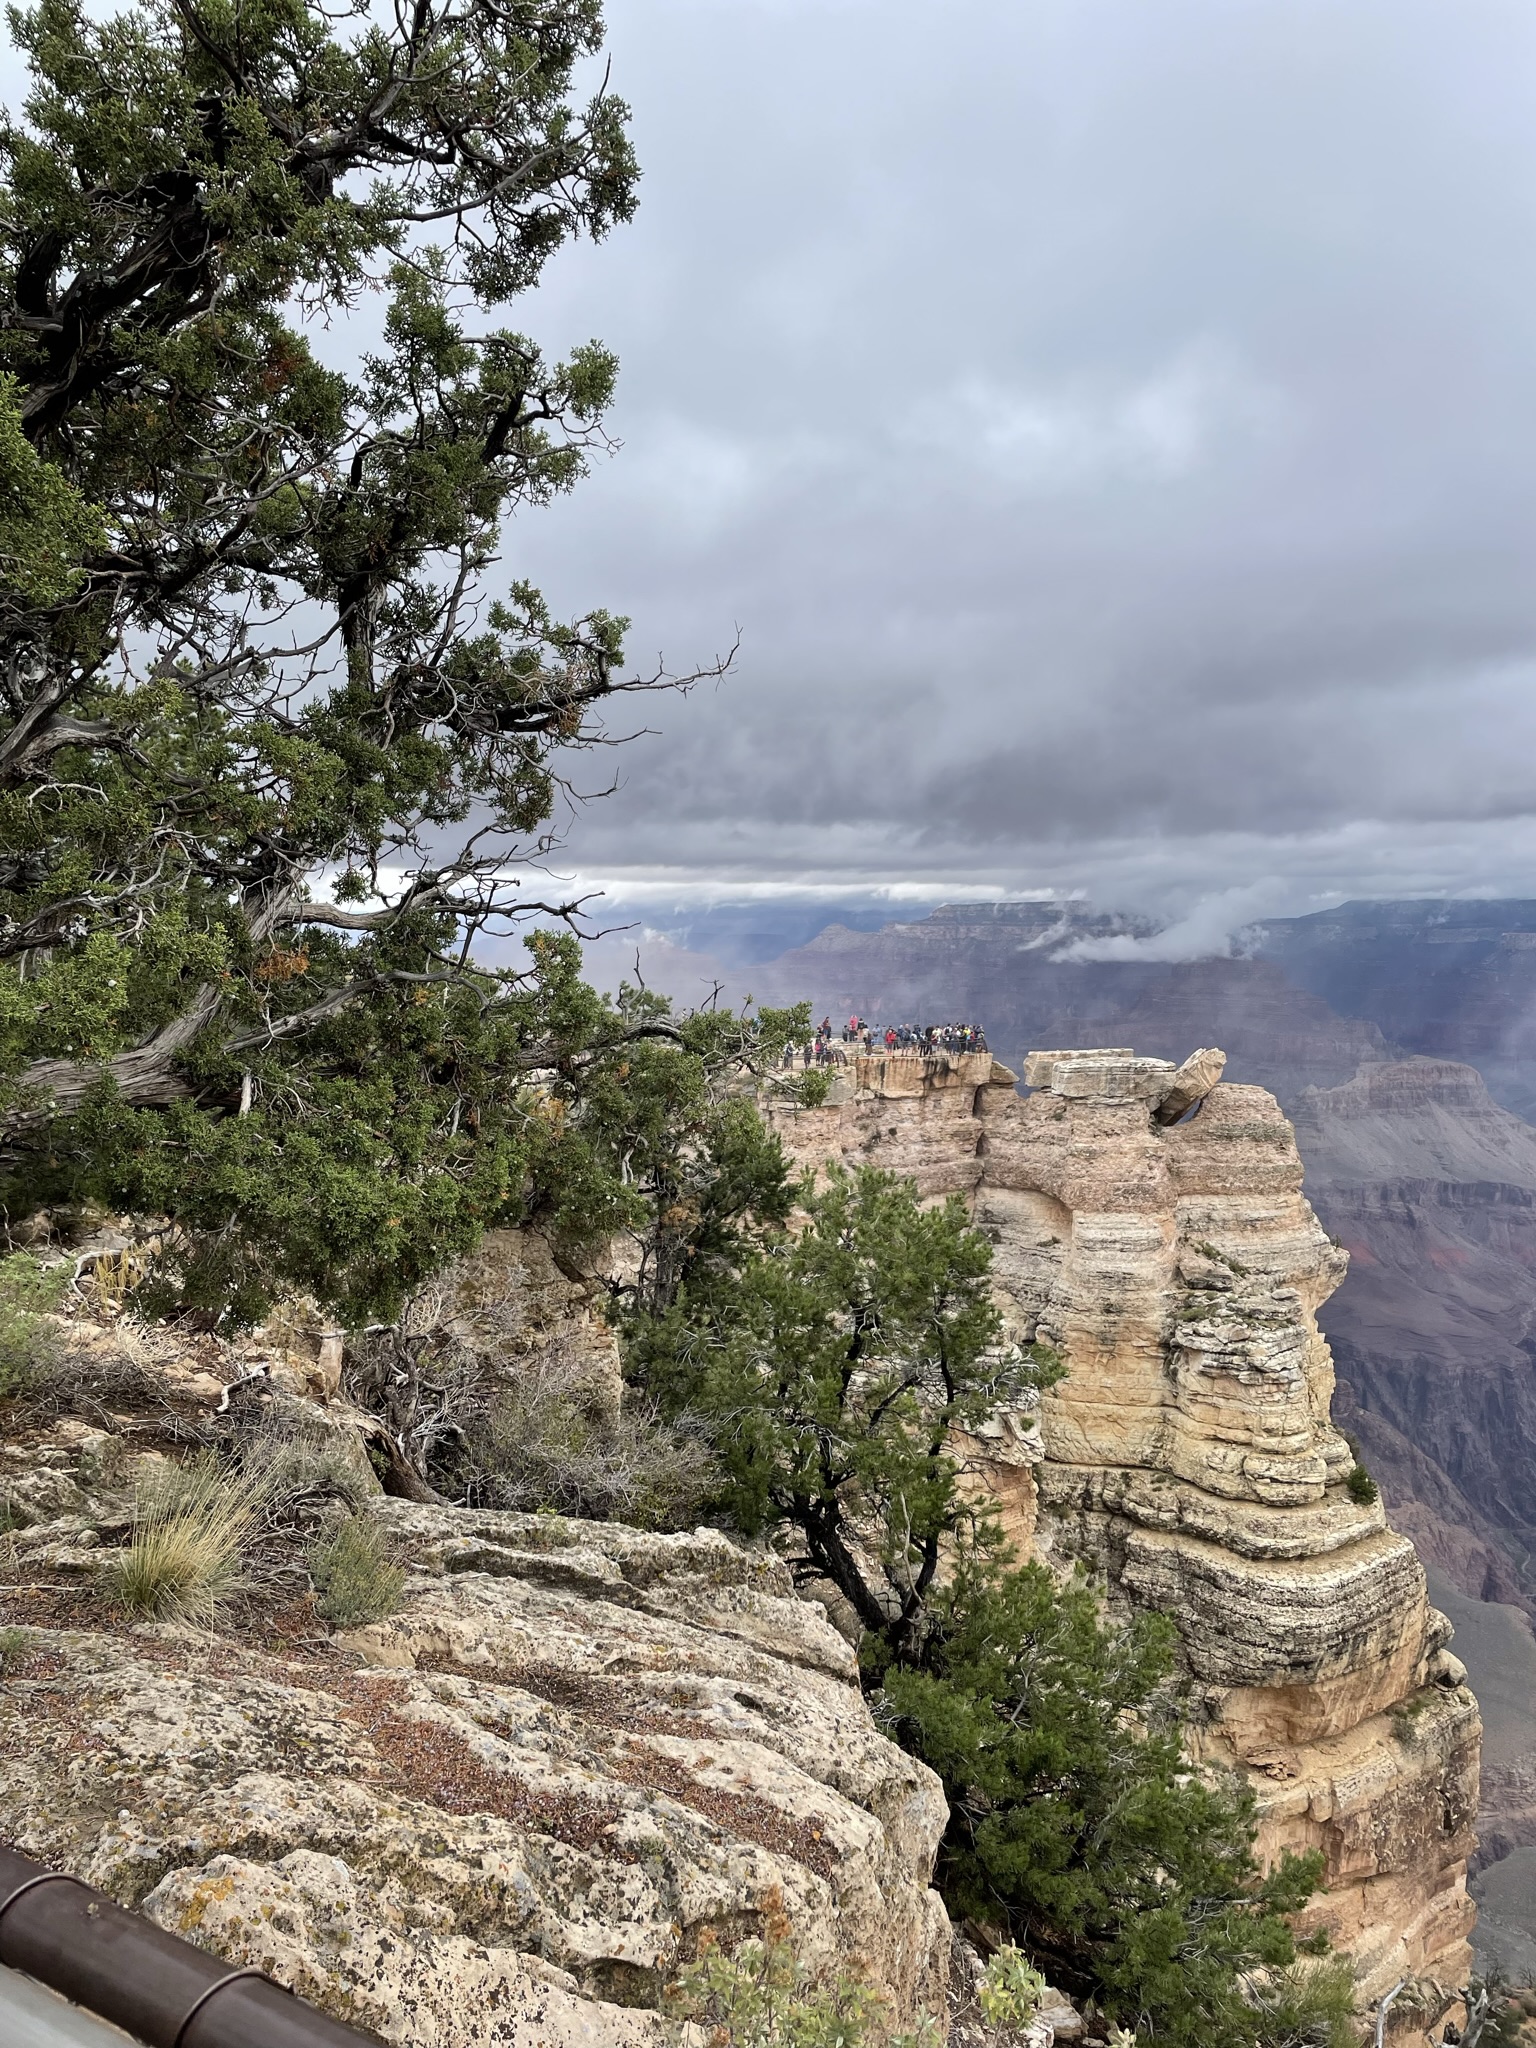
{"x":1190,"y":1460}
{"x":1422,"y":1166}
{"x":1432,"y":1186}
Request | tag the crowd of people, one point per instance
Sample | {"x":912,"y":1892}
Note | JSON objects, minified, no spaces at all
{"x":830,"y":1047}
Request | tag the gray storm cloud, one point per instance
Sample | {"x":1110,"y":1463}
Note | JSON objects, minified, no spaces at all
{"x":1112,"y":429}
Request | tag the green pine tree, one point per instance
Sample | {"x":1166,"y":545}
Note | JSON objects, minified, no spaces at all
{"x":1078,"y":1827}
{"x":276,"y":744}
{"x":837,"y":1367}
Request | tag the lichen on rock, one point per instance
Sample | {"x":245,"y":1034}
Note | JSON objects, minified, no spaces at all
{"x":510,"y":1811}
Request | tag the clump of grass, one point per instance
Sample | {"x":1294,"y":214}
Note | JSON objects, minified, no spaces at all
{"x":15,"y":1643}
{"x":356,"y":1579}
{"x":108,"y":1283}
{"x":191,"y":1527}
{"x":304,"y":1464}
{"x":29,"y":1292}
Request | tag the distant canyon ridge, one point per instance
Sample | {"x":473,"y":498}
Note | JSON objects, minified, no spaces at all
{"x":1401,"y":1039}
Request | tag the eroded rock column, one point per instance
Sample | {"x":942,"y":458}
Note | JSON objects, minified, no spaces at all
{"x":1149,"y":1223}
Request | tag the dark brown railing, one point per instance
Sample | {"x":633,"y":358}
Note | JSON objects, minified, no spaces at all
{"x":163,"y":1991}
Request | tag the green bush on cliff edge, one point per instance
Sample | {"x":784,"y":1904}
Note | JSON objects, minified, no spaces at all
{"x":1078,"y":1830}
{"x":836,"y":1368}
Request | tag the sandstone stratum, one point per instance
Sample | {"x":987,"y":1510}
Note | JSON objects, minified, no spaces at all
{"x":1149,"y":1224}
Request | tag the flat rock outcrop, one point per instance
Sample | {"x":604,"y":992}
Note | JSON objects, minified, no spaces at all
{"x":1150,"y":1225}
{"x":505,"y":1815}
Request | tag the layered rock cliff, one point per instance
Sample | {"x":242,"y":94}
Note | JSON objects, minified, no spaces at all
{"x":1432,"y":1186}
{"x":1190,"y":1460}
{"x":1433,"y":1322}
{"x":1403,"y":1160}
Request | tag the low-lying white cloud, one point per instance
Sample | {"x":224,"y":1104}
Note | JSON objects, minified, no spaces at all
{"x":1212,"y":930}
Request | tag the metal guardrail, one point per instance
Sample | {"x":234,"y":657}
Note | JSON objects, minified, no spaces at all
{"x":160,"y":1990}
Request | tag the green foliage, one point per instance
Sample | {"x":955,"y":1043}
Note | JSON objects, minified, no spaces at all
{"x":412,"y":1130}
{"x":1075,"y":1817}
{"x":663,"y":1135}
{"x":271,"y":763}
{"x":15,"y":1645}
{"x":29,"y":1292}
{"x":1405,"y":1716}
{"x":761,"y":1996}
{"x":1221,"y":1258}
{"x":1361,"y":1486}
{"x":832,"y":1367}
{"x":1308,"y":2004}
{"x":46,"y":528}
{"x":1011,"y":1988}
{"x":355,"y":1579}
{"x":836,"y":1369}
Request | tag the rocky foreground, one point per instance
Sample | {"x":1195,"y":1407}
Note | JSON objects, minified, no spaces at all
{"x":573,"y":1750}
{"x":507,"y":1813}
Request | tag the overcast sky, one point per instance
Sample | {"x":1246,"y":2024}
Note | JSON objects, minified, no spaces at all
{"x":1111,"y":427}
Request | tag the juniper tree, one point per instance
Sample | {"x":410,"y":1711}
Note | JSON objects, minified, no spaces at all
{"x":673,"y":1113}
{"x":837,"y":1368}
{"x":1078,"y":1829}
{"x":276,"y":747}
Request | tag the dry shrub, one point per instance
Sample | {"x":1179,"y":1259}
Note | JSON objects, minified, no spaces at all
{"x":104,"y":1381}
{"x":192,"y":1525}
{"x":545,"y":1438}
{"x":356,"y":1579}
{"x":502,"y":1422}
{"x":304,"y":1465}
